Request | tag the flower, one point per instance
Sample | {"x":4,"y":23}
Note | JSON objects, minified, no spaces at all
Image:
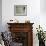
{"x":40,"y":33}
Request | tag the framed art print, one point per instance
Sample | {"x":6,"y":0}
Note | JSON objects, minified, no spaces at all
{"x":20,"y":10}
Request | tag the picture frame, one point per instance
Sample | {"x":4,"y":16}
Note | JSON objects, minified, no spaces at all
{"x":20,"y":10}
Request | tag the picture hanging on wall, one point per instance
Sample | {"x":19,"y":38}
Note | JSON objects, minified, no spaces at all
{"x":20,"y":10}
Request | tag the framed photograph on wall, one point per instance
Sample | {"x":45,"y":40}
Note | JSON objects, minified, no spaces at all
{"x":20,"y":10}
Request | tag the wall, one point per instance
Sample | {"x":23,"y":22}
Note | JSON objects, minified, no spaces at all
{"x":0,"y":15}
{"x":43,"y":14}
{"x":33,"y":10}
{"x":33,"y":14}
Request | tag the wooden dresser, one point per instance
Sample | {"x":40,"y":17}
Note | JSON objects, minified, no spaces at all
{"x":22,"y":33}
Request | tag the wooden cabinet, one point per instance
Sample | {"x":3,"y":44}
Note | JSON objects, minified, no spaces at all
{"x":22,"y":33}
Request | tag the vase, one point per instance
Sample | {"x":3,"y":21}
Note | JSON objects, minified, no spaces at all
{"x":41,"y":43}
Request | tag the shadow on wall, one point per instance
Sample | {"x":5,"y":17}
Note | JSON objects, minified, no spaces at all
{"x":0,"y":15}
{"x":43,"y":6}
{"x":0,"y":24}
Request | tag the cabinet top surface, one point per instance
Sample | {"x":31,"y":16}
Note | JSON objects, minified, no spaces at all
{"x":19,"y":23}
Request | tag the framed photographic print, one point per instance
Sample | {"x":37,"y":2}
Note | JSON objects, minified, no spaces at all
{"x":20,"y":10}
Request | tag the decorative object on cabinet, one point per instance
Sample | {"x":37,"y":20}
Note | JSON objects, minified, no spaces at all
{"x":13,"y":21}
{"x":22,"y":33}
{"x":27,"y":21}
{"x":20,"y":10}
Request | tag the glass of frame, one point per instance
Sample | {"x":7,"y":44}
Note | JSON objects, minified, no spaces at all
{"x":20,"y":10}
